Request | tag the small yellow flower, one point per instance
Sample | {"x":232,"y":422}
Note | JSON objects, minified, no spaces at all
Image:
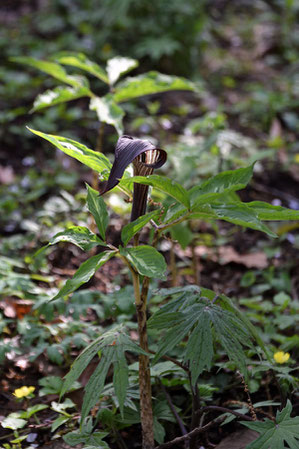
{"x":23,"y":392}
{"x":281,"y":357}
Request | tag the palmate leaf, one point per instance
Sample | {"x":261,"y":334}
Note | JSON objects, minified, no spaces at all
{"x":93,"y":159}
{"x":86,"y":270}
{"x":129,"y":230}
{"x":146,"y":260}
{"x":96,"y":205}
{"x":89,"y":439}
{"x":194,"y":315}
{"x":80,"y":61}
{"x":111,"y":346}
{"x":108,"y":112}
{"x":223,"y":183}
{"x":58,"y":95}
{"x":274,"y":435}
{"x":79,"y":236}
{"x":149,"y":83}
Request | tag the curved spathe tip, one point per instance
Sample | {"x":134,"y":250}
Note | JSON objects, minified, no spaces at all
{"x":128,"y":149}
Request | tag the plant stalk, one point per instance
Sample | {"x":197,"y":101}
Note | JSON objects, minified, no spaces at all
{"x":146,"y":411}
{"x":95,"y":175}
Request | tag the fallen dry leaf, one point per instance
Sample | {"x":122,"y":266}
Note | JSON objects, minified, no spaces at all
{"x":250,"y":260}
{"x":7,"y":175}
{"x":238,"y":440}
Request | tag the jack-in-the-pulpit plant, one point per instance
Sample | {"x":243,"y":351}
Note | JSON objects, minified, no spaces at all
{"x":194,"y":318}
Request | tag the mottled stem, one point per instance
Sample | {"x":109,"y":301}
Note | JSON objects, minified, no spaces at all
{"x":145,"y":388}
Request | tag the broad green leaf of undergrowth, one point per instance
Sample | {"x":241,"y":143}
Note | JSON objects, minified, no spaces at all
{"x":79,"y":236}
{"x":149,"y":83}
{"x":96,"y":205}
{"x":96,"y":382}
{"x":118,"y":66}
{"x":274,"y":435}
{"x":265,"y":211}
{"x":51,"y":68}
{"x":146,"y":260}
{"x":80,"y":61}
{"x":86,"y":270}
{"x":13,"y":421}
{"x":166,"y":185}
{"x":58,"y":95}
{"x":89,"y":439}
{"x":135,"y":226}
{"x":225,"y":182}
{"x":26,"y":414}
{"x":111,"y":347}
{"x":108,"y":112}
{"x":191,"y":314}
{"x":120,"y":377}
{"x":93,"y":159}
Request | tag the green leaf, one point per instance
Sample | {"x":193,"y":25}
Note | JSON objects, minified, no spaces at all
{"x":59,"y":422}
{"x":149,"y":83}
{"x":96,"y":205}
{"x":182,"y":233}
{"x":88,"y":439}
{"x":228,"y":304}
{"x":93,"y":159}
{"x":32,"y":410}
{"x":274,"y":435}
{"x":166,"y":185}
{"x":232,"y":336}
{"x":192,"y":312}
{"x":108,"y":112}
{"x":111,"y":353}
{"x":51,"y":68}
{"x":79,"y":236}
{"x":200,"y":350}
{"x":118,"y":66}
{"x":112,"y":344}
{"x":225,"y":182}
{"x":80,"y":61}
{"x":60,"y":407}
{"x":13,"y":422}
{"x":84,"y":358}
{"x":240,"y":214}
{"x":237,"y":213}
{"x":54,"y":354}
{"x":135,"y":226}
{"x":96,"y":382}
{"x":59,"y":94}
{"x":84,"y":273}
{"x":146,"y":260}
{"x":265,"y":211}
{"x":120,"y":378}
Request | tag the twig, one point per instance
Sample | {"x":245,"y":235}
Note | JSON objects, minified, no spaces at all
{"x":175,"y":414}
{"x":195,"y":421}
{"x":172,"y":223}
{"x":250,"y":405}
{"x":225,"y":410}
{"x":166,"y":357}
{"x":173,"y":268}
{"x":189,"y":435}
